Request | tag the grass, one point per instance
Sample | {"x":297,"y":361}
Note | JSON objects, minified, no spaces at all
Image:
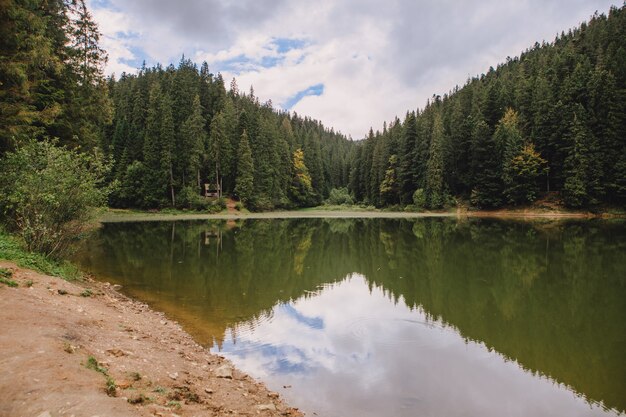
{"x":92,"y":363}
{"x":12,"y":250}
{"x":5,"y":277}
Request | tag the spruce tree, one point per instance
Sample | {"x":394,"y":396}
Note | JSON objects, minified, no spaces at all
{"x":194,"y":136}
{"x":435,"y":169}
{"x":244,"y":183}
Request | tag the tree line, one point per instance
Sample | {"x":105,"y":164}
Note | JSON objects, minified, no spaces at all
{"x":177,"y":128}
{"x":553,"y":119}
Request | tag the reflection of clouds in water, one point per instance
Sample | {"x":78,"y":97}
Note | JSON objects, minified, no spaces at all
{"x":352,"y":351}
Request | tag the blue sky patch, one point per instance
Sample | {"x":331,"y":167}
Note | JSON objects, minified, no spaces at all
{"x":284,"y":45}
{"x":314,"y":90}
{"x":312,"y":322}
{"x":139,"y":56}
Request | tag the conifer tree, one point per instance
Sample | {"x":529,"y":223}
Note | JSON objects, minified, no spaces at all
{"x":390,"y":187}
{"x":407,"y":167}
{"x":435,"y":169}
{"x":486,"y":169}
{"x":194,"y":136}
{"x":244,"y":184}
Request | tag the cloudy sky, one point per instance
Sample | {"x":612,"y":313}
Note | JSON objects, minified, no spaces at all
{"x":350,"y":63}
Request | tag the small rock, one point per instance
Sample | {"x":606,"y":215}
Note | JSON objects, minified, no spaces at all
{"x":272,"y":395}
{"x":208,"y":390}
{"x":45,"y":414}
{"x":224,"y":371}
{"x":62,"y":292}
{"x":123,"y":384}
{"x":116,"y":287}
{"x":266,"y":407}
{"x":174,"y":376}
{"x":116,"y":352}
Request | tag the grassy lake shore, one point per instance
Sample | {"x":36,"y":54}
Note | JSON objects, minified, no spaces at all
{"x":117,"y":215}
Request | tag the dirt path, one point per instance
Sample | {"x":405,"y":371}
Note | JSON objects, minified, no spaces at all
{"x":52,"y":338}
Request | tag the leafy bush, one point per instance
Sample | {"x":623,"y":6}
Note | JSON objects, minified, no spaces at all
{"x":48,"y":193}
{"x":419,"y":198}
{"x":339,"y":196}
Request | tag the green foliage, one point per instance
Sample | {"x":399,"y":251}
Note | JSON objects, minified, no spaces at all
{"x":419,"y":199}
{"x":244,"y":184}
{"x":434,"y":168}
{"x":390,"y":186}
{"x":301,"y":185}
{"x":339,"y":196}
{"x":12,"y":250}
{"x":466,"y":141}
{"x":48,"y":194}
{"x":5,"y":277}
{"x":51,"y":79}
{"x":524,"y":172}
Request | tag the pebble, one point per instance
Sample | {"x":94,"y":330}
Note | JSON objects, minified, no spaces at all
{"x":224,"y":371}
{"x":45,"y":414}
{"x":174,"y":376}
{"x":266,"y":407}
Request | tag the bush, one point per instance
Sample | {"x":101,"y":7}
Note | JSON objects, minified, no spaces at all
{"x":419,"y":199}
{"x":48,"y":193}
{"x":339,"y":196}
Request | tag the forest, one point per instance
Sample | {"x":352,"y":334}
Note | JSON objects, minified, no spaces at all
{"x":551,"y":120}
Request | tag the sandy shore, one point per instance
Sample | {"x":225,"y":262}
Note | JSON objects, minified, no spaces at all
{"x":83,"y":349}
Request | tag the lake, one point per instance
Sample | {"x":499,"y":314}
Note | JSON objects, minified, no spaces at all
{"x":394,"y":317}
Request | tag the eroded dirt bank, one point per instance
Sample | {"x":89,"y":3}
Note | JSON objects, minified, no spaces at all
{"x":83,"y":349}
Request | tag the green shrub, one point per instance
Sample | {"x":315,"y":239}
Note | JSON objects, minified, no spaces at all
{"x":339,"y":196}
{"x":419,"y":198}
{"x":48,"y":193}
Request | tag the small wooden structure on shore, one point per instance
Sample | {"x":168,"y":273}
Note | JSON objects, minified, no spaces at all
{"x":213,"y":190}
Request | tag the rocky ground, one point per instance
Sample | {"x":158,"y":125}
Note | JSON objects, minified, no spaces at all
{"x":83,"y":349}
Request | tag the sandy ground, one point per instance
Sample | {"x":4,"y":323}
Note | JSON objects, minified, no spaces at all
{"x":48,"y":332}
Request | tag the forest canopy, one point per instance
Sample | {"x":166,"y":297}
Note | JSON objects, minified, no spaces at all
{"x":551,"y":120}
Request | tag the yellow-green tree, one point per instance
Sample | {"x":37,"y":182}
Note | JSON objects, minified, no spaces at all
{"x":301,"y":188}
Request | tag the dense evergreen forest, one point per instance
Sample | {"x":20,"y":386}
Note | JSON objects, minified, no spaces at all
{"x":177,"y":128}
{"x":553,"y":119}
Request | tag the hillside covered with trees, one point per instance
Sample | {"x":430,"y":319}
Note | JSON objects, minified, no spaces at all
{"x":177,"y":128}
{"x":552,"y":119}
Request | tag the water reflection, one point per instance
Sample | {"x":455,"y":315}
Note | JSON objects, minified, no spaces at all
{"x":395,"y":317}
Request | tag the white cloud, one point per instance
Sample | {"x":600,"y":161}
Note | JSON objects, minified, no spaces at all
{"x":376,"y":59}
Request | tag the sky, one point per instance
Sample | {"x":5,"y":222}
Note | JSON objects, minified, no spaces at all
{"x":352,"y":64}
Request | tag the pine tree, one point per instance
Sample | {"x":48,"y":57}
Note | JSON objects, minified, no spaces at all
{"x":576,"y":187}
{"x":509,"y":142}
{"x":407,"y":168}
{"x":486,"y":169}
{"x":435,"y":169}
{"x":194,"y":136}
{"x":390,"y":186}
{"x":244,"y":184}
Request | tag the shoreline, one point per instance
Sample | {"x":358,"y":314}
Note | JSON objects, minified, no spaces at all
{"x":83,"y":348}
{"x":115,"y":216}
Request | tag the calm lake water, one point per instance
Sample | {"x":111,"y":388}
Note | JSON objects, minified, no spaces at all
{"x":394,"y":317}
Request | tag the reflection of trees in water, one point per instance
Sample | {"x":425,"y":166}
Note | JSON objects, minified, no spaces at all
{"x":550,"y":296}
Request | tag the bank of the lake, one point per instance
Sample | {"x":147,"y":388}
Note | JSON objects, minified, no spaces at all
{"x":64,"y":344}
{"x":116,"y":215}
